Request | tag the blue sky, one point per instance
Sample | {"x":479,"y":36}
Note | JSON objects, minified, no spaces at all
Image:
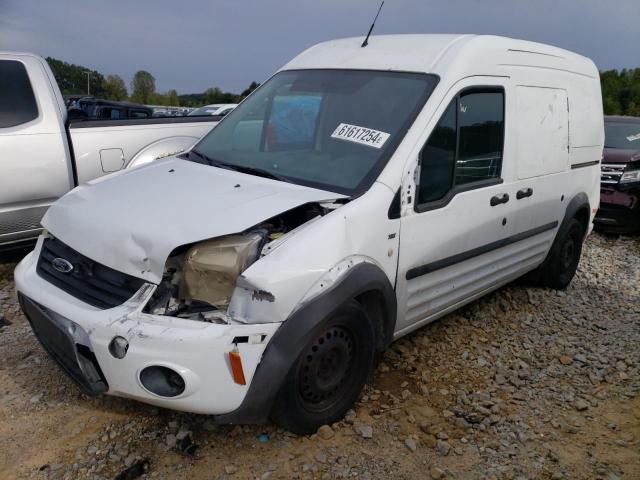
{"x":191,"y":45}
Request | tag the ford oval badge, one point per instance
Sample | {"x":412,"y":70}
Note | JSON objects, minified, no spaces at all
{"x":62,"y":265}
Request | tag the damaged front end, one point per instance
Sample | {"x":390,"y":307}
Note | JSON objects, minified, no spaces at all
{"x":200,"y":279}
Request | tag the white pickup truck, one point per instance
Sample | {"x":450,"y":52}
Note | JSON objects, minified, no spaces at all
{"x":44,"y":155}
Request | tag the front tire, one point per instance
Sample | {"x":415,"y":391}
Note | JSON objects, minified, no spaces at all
{"x":328,"y":376}
{"x":561,"y":266}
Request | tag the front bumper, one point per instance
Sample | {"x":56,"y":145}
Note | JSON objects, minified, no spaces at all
{"x":619,"y":210}
{"x":77,"y":335}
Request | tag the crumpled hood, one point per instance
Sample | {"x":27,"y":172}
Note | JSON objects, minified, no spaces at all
{"x":131,"y":221}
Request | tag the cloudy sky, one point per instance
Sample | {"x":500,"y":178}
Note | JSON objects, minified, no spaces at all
{"x":190,"y":45}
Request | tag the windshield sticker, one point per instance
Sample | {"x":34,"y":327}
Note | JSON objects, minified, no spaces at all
{"x":633,"y":138}
{"x":361,"y":135}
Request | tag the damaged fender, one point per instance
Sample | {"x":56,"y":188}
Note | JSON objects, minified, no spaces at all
{"x":291,"y":338}
{"x":312,"y":259}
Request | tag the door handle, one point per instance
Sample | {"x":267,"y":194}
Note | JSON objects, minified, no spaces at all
{"x":525,"y":192}
{"x":498,"y":199}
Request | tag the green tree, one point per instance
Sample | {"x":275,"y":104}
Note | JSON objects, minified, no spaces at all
{"x":72,"y":79}
{"x":250,"y":89}
{"x":114,"y":88}
{"x":621,"y":91}
{"x":213,"y":95}
{"x":172,"y":98}
{"x":143,"y":86}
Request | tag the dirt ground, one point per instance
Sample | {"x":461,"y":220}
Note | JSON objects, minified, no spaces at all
{"x":525,"y":383}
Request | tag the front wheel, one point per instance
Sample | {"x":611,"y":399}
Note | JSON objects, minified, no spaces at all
{"x":563,"y":260}
{"x":328,"y":376}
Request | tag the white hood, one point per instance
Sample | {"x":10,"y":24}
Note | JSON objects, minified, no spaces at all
{"x":133,"y":220}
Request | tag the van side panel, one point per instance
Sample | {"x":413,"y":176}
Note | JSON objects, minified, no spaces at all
{"x":586,"y":118}
{"x":543,"y":131}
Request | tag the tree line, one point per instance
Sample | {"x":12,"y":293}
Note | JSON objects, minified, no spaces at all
{"x":621,"y":92}
{"x":72,"y":80}
{"x":620,"y":89}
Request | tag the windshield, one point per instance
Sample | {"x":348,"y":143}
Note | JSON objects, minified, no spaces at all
{"x":329,"y":129}
{"x":622,"y":135}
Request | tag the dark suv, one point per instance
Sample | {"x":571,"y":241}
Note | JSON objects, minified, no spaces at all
{"x":620,"y":182}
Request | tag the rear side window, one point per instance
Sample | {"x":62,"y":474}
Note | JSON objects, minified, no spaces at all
{"x":465,"y":146}
{"x":17,"y":101}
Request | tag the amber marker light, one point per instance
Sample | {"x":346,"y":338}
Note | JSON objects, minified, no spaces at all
{"x":236,"y":368}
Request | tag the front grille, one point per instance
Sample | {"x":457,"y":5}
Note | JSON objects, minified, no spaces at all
{"x":89,"y":281}
{"x":611,"y":172}
{"x":76,"y":360}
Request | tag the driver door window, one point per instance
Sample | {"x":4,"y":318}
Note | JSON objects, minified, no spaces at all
{"x":465,"y":149}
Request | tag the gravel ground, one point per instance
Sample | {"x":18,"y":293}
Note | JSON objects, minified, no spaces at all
{"x":525,"y":383}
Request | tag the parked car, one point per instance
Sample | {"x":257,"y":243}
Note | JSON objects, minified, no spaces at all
{"x":44,"y":155}
{"x":96,"y":109}
{"x":359,"y":194}
{"x":214,"y":109}
{"x":619,"y":210}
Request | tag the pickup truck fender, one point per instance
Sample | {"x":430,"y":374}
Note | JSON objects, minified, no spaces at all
{"x":290,"y":339}
{"x":165,"y":147}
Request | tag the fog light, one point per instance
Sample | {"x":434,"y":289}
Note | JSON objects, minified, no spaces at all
{"x":162,"y":381}
{"x":118,"y":347}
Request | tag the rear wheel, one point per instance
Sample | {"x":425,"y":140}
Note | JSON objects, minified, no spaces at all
{"x":562,"y":263}
{"x":328,"y":376}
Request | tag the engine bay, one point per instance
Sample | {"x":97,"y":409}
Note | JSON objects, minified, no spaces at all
{"x":199,"y":279}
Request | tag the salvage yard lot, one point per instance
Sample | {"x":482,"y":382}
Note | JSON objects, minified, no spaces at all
{"x":525,"y":383}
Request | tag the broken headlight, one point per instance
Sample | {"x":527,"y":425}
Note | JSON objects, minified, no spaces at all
{"x":210,"y":268}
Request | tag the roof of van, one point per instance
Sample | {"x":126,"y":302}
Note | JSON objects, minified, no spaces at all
{"x":440,"y":54}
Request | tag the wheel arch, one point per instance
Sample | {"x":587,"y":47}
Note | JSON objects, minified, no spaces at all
{"x":367,"y":284}
{"x":577,"y":208}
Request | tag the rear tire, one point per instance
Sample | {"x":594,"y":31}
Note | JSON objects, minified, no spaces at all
{"x":562,"y":262}
{"x":328,"y":376}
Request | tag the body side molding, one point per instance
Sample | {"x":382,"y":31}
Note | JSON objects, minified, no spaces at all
{"x":585,"y":164}
{"x":460,"y":257}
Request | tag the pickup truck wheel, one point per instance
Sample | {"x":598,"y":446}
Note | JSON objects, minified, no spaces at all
{"x":328,"y":376}
{"x":563,"y":261}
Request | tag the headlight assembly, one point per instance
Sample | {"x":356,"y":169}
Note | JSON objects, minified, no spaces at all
{"x":212,"y":267}
{"x":630,"y":176}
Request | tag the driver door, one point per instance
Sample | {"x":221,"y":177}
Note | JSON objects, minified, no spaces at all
{"x":452,"y":240}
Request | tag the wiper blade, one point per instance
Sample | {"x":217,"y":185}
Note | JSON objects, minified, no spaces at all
{"x":260,"y":172}
{"x":203,"y":158}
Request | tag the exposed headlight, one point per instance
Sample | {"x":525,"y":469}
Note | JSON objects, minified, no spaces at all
{"x":212,"y":267}
{"x":630,"y":176}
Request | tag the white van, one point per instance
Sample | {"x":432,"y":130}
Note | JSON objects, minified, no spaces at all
{"x":359,"y":194}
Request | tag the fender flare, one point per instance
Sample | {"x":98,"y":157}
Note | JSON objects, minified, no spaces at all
{"x":298,"y":329}
{"x":579,"y":202}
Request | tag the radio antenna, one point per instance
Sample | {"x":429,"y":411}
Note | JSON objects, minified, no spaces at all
{"x":366,"y":40}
